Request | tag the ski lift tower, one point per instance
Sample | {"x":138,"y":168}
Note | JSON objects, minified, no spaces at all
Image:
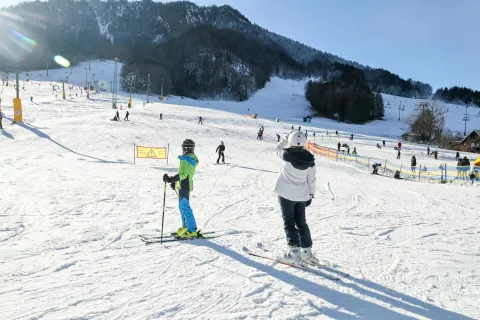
{"x":466,"y":118}
{"x":114,"y":86}
{"x":400,"y":108}
{"x":148,"y":88}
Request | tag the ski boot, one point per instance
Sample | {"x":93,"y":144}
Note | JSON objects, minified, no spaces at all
{"x":292,"y":256}
{"x":308,"y":257}
{"x":186,"y":234}
{"x":179,"y":231}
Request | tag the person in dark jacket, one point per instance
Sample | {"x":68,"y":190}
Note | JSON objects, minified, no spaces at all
{"x":428,"y":151}
{"x":278,"y":137}
{"x":413,"y":163}
{"x":118,"y":116}
{"x":384,"y":143}
{"x":161,"y":116}
{"x":339,"y":145}
{"x":221,"y":150}
{"x":457,"y":156}
{"x":375,"y":167}
{"x":126,"y":115}
{"x":435,"y":154}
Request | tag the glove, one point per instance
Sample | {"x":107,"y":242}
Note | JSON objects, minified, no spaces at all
{"x":172,"y":185}
{"x":308,"y":203}
{"x":166,"y":178}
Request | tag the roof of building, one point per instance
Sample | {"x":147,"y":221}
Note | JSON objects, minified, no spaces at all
{"x":476,"y":131}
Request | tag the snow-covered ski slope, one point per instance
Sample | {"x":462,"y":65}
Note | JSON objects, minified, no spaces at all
{"x":281,"y":98}
{"x":72,"y":205}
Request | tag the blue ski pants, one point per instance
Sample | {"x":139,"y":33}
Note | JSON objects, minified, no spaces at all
{"x":188,"y":220}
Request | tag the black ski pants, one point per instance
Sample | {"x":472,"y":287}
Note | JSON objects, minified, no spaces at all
{"x":294,"y":223}
{"x":221,"y":155}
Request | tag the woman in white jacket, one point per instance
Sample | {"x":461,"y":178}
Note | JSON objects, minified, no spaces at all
{"x":295,"y":187}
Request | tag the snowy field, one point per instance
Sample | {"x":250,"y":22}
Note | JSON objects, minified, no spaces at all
{"x":72,"y":205}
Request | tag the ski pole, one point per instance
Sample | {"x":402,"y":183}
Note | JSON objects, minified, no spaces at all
{"x":163,"y":210}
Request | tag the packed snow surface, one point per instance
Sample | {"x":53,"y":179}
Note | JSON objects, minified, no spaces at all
{"x":72,"y":204}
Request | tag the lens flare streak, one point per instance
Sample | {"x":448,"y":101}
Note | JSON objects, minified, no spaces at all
{"x":62,"y":61}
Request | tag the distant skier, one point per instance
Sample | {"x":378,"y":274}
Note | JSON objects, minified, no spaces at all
{"x":299,"y":128}
{"x":435,"y":154}
{"x":126,"y":115}
{"x":260,"y":135}
{"x":161,"y":116}
{"x":314,"y":136}
{"x":336,"y":132}
{"x":221,"y":150}
{"x":378,"y":146}
{"x":183,"y":182}
{"x":375,"y":167}
{"x":413,"y":163}
{"x":295,"y":188}
{"x":339,"y":145}
{"x":457,"y":156}
{"x":351,"y":137}
{"x":428,"y":151}
{"x":200,"y":120}
{"x":292,"y":127}
{"x":31,"y":99}
{"x":118,"y":116}
{"x":278,"y":137}
{"x":354,"y":151}
{"x":397,"y":174}
{"x":384,"y":143}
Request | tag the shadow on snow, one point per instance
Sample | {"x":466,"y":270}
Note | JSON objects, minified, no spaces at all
{"x":46,"y":136}
{"x":353,"y":304}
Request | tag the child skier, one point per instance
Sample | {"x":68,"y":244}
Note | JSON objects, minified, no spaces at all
{"x":295,"y":188}
{"x":221,"y":150}
{"x":183,"y":182}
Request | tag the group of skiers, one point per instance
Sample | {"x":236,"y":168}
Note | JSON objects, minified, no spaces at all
{"x":116,"y":117}
{"x":260,"y":133}
{"x":295,"y":188}
{"x":463,"y":167}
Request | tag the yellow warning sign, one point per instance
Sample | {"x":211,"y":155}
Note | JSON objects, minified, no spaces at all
{"x":151,"y":152}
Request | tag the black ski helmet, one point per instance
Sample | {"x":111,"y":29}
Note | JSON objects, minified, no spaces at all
{"x":188,"y":146}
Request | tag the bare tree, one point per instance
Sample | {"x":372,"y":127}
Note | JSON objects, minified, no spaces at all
{"x":429,"y":120}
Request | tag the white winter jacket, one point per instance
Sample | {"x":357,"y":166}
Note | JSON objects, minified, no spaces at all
{"x":297,"y":177}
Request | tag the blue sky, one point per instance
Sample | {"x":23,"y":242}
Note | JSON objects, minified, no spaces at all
{"x":434,"y":41}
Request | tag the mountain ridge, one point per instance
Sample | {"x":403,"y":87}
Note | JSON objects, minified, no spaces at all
{"x":132,"y":31}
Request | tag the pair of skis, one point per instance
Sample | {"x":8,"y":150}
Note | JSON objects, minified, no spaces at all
{"x":149,"y":238}
{"x":261,"y":252}
{"x":316,"y":269}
